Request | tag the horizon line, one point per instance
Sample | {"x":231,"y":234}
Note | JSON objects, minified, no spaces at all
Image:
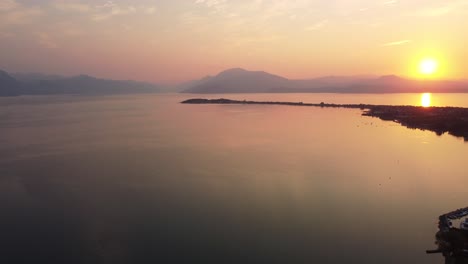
{"x":363,"y":76}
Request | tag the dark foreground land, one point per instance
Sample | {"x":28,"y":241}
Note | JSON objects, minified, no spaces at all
{"x":440,"y":120}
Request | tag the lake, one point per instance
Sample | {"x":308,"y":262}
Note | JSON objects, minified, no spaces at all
{"x":145,"y":179}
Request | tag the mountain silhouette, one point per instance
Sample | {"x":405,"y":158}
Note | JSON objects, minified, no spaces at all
{"x":32,"y":77}
{"x":187,"y":85}
{"x":234,"y":80}
{"x":87,"y":85}
{"x":9,"y":86}
{"x":238,"y":80}
{"x":242,"y":81}
{"x":40,"y":84}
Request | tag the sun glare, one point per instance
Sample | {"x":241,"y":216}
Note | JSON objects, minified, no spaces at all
{"x":426,"y":99}
{"x":428,"y":66}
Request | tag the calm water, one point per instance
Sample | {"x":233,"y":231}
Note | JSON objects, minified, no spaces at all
{"x":144,"y":179}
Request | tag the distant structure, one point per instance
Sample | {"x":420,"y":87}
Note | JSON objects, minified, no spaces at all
{"x":452,"y":242}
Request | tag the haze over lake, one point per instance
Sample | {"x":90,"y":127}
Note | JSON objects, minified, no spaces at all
{"x":233,"y":131}
{"x":145,"y":179}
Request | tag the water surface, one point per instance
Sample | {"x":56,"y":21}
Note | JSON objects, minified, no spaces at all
{"x":144,"y":179}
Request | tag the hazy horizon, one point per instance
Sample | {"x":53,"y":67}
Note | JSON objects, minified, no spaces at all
{"x":177,"y":41}
{"x":355,"y":76}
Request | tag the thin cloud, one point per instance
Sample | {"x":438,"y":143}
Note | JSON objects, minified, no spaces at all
{"x":210,"y":3}
{"x":14,"y":13}
{"x":445,"y":9}
{"x":72,"y":7}
{"x":111,"y":9}
{"x":102,"y":11}
{"x":435,"y":12}
{"x":397,"y":43}
{"x":217,"y":6}
{"x":106,"y":5}
{"x":20,"y":16}
{"x":6,"y":5}
{"x":317,"y":25}
{"x":150,"y":10}
{"x":390,"y":2}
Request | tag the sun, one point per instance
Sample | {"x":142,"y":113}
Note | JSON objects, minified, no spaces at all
{"x":428,"y":66}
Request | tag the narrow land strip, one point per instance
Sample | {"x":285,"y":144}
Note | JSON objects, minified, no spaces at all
{"x":452,"y":120}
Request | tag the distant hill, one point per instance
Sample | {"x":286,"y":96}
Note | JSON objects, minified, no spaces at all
{"x":181,"y":87}
{"x":34,"y":77}
{"x":86,"y":85}
{"x":40,"y":84}
{"x":235,"y":80}
{"x":240,"y":81}
{"x":9,"y":86}
{"x":243,"y":81}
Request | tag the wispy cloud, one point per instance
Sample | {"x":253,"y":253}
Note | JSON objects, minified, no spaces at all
{"x":7,"y":5}
{"x":210,"y":3}
{"x":110,"y":9}
{"x":103,"y":11}
{"x":108,"y":4}
{"x":279,"y":9}
{"x":317,"y":25}
{"x":216,"y":5}
{"x":397,"y":43}
{"x":150,"y":10}
{"x":19,"y":16}
{"x":444,"y":9}
{"x":390,"y":2}
{"x":72,"y":7}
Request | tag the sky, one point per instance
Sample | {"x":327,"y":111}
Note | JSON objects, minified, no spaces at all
{"x":168,"y":41}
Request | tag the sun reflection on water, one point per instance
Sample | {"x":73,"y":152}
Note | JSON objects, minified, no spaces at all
{"x":426,"y":99}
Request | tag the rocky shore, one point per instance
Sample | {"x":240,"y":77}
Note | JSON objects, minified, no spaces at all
{"x":452,"y":120}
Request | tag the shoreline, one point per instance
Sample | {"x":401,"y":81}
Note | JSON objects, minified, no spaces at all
{"x":440,"y":120}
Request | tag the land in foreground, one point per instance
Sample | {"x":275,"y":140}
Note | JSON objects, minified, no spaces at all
{"x":452,"y":120}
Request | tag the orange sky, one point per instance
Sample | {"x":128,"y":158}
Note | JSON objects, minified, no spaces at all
{"x":171,"y":40}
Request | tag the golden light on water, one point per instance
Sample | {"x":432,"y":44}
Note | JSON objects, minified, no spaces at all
{"x":426,"y":99}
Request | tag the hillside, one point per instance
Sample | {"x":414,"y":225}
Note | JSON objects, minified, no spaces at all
{"x":9,"y":86}
{"x":240,"y":81}
{"x":87,"y":85}
{"x":243,"y":81}
{"x":40,"y":84}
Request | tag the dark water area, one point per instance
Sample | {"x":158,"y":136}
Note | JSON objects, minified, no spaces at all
{"x":144,"y":179}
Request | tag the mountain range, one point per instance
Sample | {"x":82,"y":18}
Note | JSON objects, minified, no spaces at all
{"x":243,"y":81}
{"x":40,"y":84}
{"x":9,"y":86}
{"x":240,"y":81}
{"x":235,"y":80}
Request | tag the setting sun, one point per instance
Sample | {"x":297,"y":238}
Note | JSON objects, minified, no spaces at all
{"x":428,"y":66}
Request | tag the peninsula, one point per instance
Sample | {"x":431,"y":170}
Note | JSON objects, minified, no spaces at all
{"x":452,"y":120}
